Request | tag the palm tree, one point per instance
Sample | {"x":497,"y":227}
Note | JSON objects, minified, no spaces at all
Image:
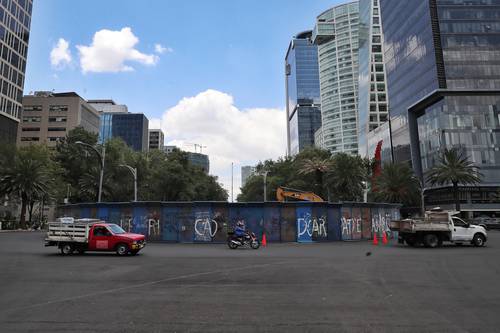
{"x":317,"y":166}
{"x":26,"y":177}
{"x":397,"y":183}
{"x":455,"y":168}
{"x":346,"y":177}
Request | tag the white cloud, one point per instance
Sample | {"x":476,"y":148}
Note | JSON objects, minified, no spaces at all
{"x":243,"y":137}
{"x":60,"y":56}
{"x":160,"y":49}
{"x":110,"y":51}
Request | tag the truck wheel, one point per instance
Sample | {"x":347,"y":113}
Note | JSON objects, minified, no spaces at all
{"x":410,"y":241}
{"x":67,"y":249}
{"x":478,"y":240}
{"x":431,"y":240}
{"x":122,"y":249}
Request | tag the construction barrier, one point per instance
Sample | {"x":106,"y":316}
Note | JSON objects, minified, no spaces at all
{"x":188,"y":222}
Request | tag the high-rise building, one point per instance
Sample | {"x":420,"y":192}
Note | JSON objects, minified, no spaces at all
{"x":131,"y":128}
{"x":47,"y":117}
{"x":372,"y":97}
{"x":15,"y":21}
{"x":156,"y":139}
{"x":246,"y":172}
{"x":199,"y":160}
{"x":107,"y":108}
{"x":336,"y":34}
{"x":302,"y":92}
{"x":443,"y":81}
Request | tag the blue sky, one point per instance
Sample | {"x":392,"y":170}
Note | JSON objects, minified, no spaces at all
{"x":219,"y":81}
{"x":233,"y":46}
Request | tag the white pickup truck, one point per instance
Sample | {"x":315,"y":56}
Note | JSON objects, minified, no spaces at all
{"x":436,"y":227}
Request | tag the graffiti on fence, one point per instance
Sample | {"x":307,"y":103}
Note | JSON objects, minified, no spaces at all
{"x":312,"y":226}
{"x":351,"y":226}
{"x":380,"y":223}
{"x":205,"y":227}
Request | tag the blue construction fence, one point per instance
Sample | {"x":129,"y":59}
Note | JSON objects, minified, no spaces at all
{"x":188,"y":222}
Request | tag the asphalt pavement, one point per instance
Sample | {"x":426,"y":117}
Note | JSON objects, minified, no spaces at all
{"x":322,"y":287}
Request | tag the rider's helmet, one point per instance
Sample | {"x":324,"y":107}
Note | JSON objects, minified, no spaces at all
{"x":240,"y":223}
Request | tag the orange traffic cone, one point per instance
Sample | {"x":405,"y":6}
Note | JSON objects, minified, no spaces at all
{"x":375,"y":240}
{"x":264,"y":241}
{"x":384,"y":238}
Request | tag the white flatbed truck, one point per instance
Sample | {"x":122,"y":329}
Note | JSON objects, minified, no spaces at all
{"x":436,"y":227}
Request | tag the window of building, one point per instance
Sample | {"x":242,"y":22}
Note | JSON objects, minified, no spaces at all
{"x":31,"y":129}
{"x":378,"y":58}
{"x":32,"y":119}
{"x":53,"y":139}
{"x":57,"y":129}
{"x":57,"y":108}
{"x":377,"y":48}
{"x":29,"y":108}
{"x":376,"y":20}
{"x":381,"y":98}
{"x":30,"y":138}
{"x":376,"y":39}
{"x":57,"y":119}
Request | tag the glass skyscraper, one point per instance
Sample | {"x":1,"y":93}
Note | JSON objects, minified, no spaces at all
{"x":372,"y":97}
{"x":302,"y":93}
{"x":443,"y":78}
{"x":15,"y":21}
{"x":131,"y":128}
{"x":336,"y":34}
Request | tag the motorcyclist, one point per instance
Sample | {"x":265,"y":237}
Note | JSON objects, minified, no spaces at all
{"x":240,"y":230}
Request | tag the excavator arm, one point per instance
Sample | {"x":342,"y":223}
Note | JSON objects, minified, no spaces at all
{"x":283,"y":192}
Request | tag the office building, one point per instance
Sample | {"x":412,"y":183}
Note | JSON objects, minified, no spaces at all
{"x":372,"y":97}
{"x":336,"y":34}
{"x":443,"y":81}
{"x":131,"y":128}
{"x":200,"y":160}
{"x":15,"y":21}
{"x":47,"y":117}
{"x":246,"y":172}
{"x":156,"y":139}
{"x":106,"y":108}
{"x":302,"y":92}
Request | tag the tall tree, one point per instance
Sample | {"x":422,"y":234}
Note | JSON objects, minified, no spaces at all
{"x":347,"y":177}
{"x":318,"y":167}
{"x":397,"y":183}
{"x":454,"y":168}
{"x":27,"y":177}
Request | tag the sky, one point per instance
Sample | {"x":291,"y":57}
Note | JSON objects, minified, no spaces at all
{"x":206,"y":72}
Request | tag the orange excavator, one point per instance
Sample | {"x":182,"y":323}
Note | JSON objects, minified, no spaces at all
{"x":284,"y":192}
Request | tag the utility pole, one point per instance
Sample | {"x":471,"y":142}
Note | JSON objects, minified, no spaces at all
{"x":134,"y":174}
{"x":265,"y":185}
{"x":101,"y":158}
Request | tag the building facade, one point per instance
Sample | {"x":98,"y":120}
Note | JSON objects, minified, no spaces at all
{"x":200,"y":160}
{"x":336,"y":34}
{"x":15,"y":22}
{"x":131,"y":128}
{"x":302,"y":92}
{"x":443,"y":79}
{"x":107,"y":108}
{"x":47,"y":117}
{"x":246,"y":172}
{"x":156,"y":139}
{"x":372,"y":97}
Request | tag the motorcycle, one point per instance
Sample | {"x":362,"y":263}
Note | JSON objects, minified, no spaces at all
{"x":248,"y":240}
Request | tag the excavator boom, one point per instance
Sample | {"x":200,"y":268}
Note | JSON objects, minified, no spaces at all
{"x":282,"y":193}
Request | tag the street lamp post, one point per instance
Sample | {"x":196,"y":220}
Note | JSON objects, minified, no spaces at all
{"x":265,"y":185}
{"x":101,"y":157}
{"x":134,"y":173}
